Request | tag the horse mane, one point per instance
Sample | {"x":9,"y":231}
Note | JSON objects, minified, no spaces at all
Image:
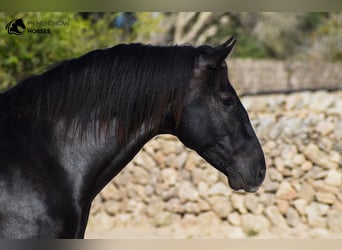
{"x":131,"y":83}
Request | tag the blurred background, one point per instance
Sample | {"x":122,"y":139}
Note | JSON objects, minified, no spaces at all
{"x":287,"y":69}
{"x":283,"y":36}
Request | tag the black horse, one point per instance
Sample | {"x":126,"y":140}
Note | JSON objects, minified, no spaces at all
{"x":66,"y":133}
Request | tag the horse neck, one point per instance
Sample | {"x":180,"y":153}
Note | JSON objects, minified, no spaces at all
{"x":92,"y":161}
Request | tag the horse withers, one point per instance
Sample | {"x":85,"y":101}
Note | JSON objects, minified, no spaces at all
{"x":64,"y":134}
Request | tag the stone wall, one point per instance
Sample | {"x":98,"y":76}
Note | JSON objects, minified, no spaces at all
{"x":168,"y":191}
{"x":248,"y":75}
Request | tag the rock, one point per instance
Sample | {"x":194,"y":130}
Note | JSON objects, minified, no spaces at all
{"x":319,"y":175}
{"x":221,"y":206}
{"x":267,"y":199}
{"x":208,"y":219}
{"x":269,"y":146}
{"x":141,"y":193}
{"x":197,"y":176}
{"x":334,"y":178}
{"x":152,"y":147}
{"x":192,"y":208}
{"x":274,"y":174}
{"x":101,"y":220}
{"x":174,"y":206}
{"x":298,"y":159}
{"x":337,"y":146}
{"x":325,"y":144}
{"x":314,"y":154}
{"x":280,"y":164}
{"x":283,"y":205}
{"x":203,"y":189}
{"x":292,"y":126}
{"x":238,"y":203}
{"x":159,"y":157}
{"x":168,"y":147}
{"x":219,"y":189}
{"x":264,"y":125}
{"x":270,"y":186}
{"x":276,"y":219}
{"x":155,"y":206}
{"x":234,"y":219}
{"x":306,"y":166}
{"x":292,"y":102}
{"x":168,"y":193}
{"x":124,"y":176}
{"x":318,"y":233}
{"x":181,"y":159}
{"x":316,"y":212}
{"x":187,"y":192}
{"x":109,"y":192}
{"x":235,"y":233}
{"x":317,"y":208}
{"x":192,"y":161}
{"x":296,"y":173}
{"x":321,"y":186}
{"x":335,"y":157}
{"x":96,"y":205}
{"x":286,"y":191}
{"x":292,"y":217}
{"x":149,"y":190}
{"x":300,"y":205}
{"x":275,"y":131}
{"x":184,"y":174}
{"x":337,"y":206}
{"x":162,"y":219}
{"x":307,"y":192}
{"x":326,"y":198}
{"x":252,"y":204}
{"x":334,"y":220}
{"x":128,"y":206}
{"x":320,"y":101}
{"x":112,"y":207}
{"x":139,"y":175}
{"x":170,"y":161}
{"x":325,"y":127}
{"x":203,"y":205}
{"x":288,"y":154}
{"x":124,"y":219}
{"x":154,"y":176}
{"x":169,"y":176}
{"x":254,"y":224}
{"x":143,"y":159}
{"x":211,"y":176}
{"x":338,"y":130}
{"x":189,"y":220}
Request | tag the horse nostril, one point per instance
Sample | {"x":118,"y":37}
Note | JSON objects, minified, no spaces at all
{"x":261,"y":175}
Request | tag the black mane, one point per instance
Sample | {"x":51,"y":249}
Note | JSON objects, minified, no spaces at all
{"x":104,"y":84}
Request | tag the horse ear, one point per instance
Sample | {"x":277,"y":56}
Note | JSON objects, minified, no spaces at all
{"x":217,"y":57}
{"x":226,"y":43}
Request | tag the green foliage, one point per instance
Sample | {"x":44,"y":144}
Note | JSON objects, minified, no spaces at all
{"x":260,"y":35}
{"x":283,"y":35}
{"x":248,"y":47}
{"x":326,"y":40}
{"x":252,"y":233}
{"x":27,"y":54}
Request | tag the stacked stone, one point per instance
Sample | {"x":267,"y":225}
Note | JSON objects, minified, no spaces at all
{"x":169,"y":188}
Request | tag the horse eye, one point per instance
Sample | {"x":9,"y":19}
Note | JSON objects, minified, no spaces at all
{"x":228,"y":101}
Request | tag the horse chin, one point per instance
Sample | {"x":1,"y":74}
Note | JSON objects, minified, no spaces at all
{"x":238,"y":184}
